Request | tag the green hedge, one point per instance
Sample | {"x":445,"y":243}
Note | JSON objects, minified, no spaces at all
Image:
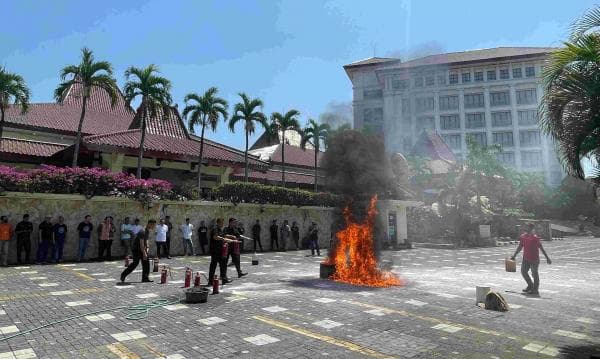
{"x":240,"y":192}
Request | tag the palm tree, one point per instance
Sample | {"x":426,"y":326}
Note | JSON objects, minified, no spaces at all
{"x":12,"y":89}
{"x":154,"y":91}
{"x":248,"y":112}
{"x":570,"y":110}
{"x":204,"y":112}
{"x":314,"y":133}
{"x":90,"y":75}
{"x":283,"y":123}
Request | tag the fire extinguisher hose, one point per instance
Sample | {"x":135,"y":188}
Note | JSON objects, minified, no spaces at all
{"x":135,"y":312}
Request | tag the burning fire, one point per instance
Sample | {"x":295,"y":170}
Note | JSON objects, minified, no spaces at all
{"x":354,"y":256}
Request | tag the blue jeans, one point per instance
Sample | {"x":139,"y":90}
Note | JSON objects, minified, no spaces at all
{"x":42,"y":251}
{"x":83,"y":243}
{"x":314,"y":244}
{"x":59,"y":244}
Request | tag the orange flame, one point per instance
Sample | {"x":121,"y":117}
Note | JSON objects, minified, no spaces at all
{"x":354,"y":255}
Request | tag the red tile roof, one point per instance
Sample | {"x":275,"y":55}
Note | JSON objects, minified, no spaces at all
{"x":431,"y":145}
{"x":29,"y":148}
{"x":274,"y":177}
{"x":99,"y":101}
{"x":296,"y":156}
{"x":170,"y":125}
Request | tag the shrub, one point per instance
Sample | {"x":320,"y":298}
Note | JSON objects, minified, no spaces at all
{"x":240,"y":192}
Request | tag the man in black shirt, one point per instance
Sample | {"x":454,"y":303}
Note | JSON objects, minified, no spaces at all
{"x":202,"y":237}
{"x":46,"y":232}
{"x":139,"y":249}
{"x":313,"y":236}
{"x":217,"y":238}
{"x":296,"y":234}
{"x":274,"y":229}
{"x":23,"y":231}
{"x":170,"y":229}
{"x":256,"y":235}
{"x":233,"y":234}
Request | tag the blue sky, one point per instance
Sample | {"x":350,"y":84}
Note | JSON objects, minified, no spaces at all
{"x":288,"y":53}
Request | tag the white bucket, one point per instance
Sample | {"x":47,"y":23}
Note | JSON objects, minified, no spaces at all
{"x":480,"y":294}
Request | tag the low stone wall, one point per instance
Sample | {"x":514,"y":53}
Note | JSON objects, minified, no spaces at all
{"x":74,"y":207}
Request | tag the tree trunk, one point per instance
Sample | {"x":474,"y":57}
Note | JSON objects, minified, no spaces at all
{"x":1,"y":122}
{"x":316,"y":167}
{"x":141,"y":150}
{"x":283,"y":160}
{"x":79,"y":128}
{"x":200,"y":159}
{"x":246,"y":159}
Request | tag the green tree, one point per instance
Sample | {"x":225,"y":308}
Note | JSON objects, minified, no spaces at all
{"x":204,"y":111}
{"x":315,"y":133}
{"x":90,"y":75}
{"x":248,"y":112}
{"x":283,"y":123}
{"x":154,"y":91}
{"x":570,"y":110}
{"x":12,"y":89}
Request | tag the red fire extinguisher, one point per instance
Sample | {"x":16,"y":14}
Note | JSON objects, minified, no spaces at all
{"x":163,"y":275}
{"x":155,"y":269}
{"x":224,"y":250}
{"x":215,"y":285}
{"x":197,"y":280}
{"x":126,"y":261}
{"x":188,"y":278}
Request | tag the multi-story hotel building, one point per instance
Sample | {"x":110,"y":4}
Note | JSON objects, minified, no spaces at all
{"x":490,"y":94}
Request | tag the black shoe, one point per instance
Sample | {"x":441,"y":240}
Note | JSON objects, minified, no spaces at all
{"x":526,"y":290}
{"x":122,"y":278}
{"x":534,"y":292}
{"x":147,"y":280}
{"x":241,"y":274}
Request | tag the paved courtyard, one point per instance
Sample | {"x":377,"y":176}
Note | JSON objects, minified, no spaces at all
{"x":282,"y":310}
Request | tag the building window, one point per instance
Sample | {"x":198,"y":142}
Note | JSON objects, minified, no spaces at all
{"x":400,"y":84}
{"x":526,"y":97}
{"x":466,"y":77}
{"x":372,"y":94}
{"x":453,"y":79}
{"x":504,"y":74}
{"x":478,"y":76}
{"x":527,"y":117}
{"x":453,"y":141}
{"x":530,"y":138}
{"x":531,"y":159}
{"x":517,"y":73}
{"x":506,"y":158}
{"x":479,"y":137}
{"x":505,"y":139}
{"x":450,"y":122}
{"x":501,"y":119}
{"x":474,"y":100}
{"x":419,"y":81}
{"x":530,"y":71}
{"x":448,"y":102}
{"x":373,"y":119}
{"x":429,"y":80}
{"x":441,"y":79}
{"x":425,"y":123}
{"x":499,"y":98}
{"x":424,"y":104}
{"x":491,"y":75}
{"x":475,"y":120}
{"x":406,"y":106}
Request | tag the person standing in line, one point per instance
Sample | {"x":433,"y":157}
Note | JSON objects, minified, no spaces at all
{"x":45,"y":234}
{"x":256,"y":235}
{"x":104,"y":239}
{"x":313,"y":238}
{"x":139,"y":249}
{"x":84,"y":229}
{"x":217,"y":240}
{"x":296,"y":234}
{"x":136,"y":228}
{"x":187,"y":231}
{"x":273,"y":231}
{"x":6,"y":233}
{"x":23,"y":232}
{"x":60,"y":235}
{"x":161,"y":239}
{"x":285,"y":234}
{"x":126,"y":235}
{"x":202,"y":237}
{"x":531,"y":245}
{"x":169,"y":230}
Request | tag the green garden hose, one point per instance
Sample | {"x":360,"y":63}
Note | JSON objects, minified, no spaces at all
{"x":136,"y":312}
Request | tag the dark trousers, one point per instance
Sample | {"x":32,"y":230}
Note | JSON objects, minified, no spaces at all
{"x":104,"y":250}
{"x":257,"y":240}
{"x":24,"y":245}
{"x":168,"y":246}
{"x":525,"y":267}
{"x":162,"y":247}
{"x":42,"y":252}
{"x":202,"y":248}
{"x":296,"y":241}
{"x":137,"y":257}
{"x":59,"y":245}
{"x":235,"y":259}
{"x":276,"y":241}
{"x":314,"y":244}
{"x":126,"y":245}
{"x":214,"y":260}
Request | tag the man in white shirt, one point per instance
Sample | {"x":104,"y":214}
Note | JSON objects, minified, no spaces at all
{"x":136,"y":228}
{"x":126,"y":232}
{"x":187,"y":230}
{"x":161,"y":239}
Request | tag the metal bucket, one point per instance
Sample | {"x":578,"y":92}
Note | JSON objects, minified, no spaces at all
{"x":196,"y":295}
{"x":326,"y":270}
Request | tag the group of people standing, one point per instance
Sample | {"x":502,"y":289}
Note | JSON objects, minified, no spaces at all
{"x":285,"y":232}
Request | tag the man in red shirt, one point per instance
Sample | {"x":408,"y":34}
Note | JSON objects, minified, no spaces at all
{"x":531,"y":245}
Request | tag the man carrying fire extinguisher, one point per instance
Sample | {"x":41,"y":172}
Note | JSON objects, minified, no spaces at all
{"x":217,"y":241}
{"x":139,"y":249}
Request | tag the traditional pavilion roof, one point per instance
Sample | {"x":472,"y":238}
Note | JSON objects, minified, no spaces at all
{"x":19,"y":147}
{"x":431,"y":145}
